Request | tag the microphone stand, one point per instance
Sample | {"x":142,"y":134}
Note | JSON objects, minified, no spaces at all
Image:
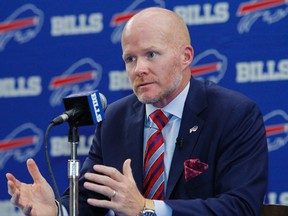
{"x":73,"y":169}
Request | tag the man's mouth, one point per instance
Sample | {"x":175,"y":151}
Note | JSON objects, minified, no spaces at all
{"x":144,"y":84}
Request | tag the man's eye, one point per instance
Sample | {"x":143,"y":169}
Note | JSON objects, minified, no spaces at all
{"x":152,"y":54}
{"x":130,"y":59}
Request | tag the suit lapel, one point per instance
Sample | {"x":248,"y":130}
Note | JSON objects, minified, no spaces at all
{"x":190,"y":128}
{"x":134,"y":129}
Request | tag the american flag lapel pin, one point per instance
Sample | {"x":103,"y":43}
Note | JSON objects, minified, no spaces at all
{"x":193,"y":129}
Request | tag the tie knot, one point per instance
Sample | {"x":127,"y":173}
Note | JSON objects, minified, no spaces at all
{"x":159,"y":118}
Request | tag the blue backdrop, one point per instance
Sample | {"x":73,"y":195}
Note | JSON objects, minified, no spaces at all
{"x":49,"y":49}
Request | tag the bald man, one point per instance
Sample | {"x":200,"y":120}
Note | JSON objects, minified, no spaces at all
{"x":218,"y":164}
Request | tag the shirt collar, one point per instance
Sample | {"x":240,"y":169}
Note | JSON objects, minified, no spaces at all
{"x":175,"y":107}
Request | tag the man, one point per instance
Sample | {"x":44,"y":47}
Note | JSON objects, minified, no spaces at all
{"x":221,"y":138}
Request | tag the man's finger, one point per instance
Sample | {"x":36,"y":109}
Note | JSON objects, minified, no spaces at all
{"x":112,"y":172}
{"x":12,"y":183}
{"x":34,"y":171}
{"x":127,"y":171}
{"x":101,"y":189}
{"x":11,"y":187}
{"x":15,"y":199}
{"x":11,"y":177}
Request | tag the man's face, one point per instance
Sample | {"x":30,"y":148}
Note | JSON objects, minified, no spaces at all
{"x":153,"y":64}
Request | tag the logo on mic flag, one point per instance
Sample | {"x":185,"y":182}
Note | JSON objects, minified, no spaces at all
{"x":91,"y":105}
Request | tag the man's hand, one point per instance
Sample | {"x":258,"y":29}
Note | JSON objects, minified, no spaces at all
{"x":33,"y":199}
{"x":125,"y":198}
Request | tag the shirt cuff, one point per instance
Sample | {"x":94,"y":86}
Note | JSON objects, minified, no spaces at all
{"x":65,"y":212}
{"x":162,"y":209}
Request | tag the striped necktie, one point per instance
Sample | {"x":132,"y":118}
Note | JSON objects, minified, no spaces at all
{"x":154,"y":159}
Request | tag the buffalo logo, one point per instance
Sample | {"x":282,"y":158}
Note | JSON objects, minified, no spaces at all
{"x":276,"y":129}
{"x":269,"y":11}
{"x":22,"y":143}
{"x":209,"y":65}
{"x":22,"y":25}
{"x":118,"y":20}
{"x":84,"y":75}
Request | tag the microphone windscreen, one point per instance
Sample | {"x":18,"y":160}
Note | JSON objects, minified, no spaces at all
{"x":103,"y":101}
{"x":92,"y":105}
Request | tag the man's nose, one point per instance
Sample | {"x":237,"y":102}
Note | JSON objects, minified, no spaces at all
{"x":141,"y":67}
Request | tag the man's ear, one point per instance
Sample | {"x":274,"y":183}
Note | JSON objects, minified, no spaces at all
{"x":188,"y":55}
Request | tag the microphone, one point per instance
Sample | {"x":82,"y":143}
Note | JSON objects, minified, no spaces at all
{"x":179,"y":142}
{"x":84,"y":108}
